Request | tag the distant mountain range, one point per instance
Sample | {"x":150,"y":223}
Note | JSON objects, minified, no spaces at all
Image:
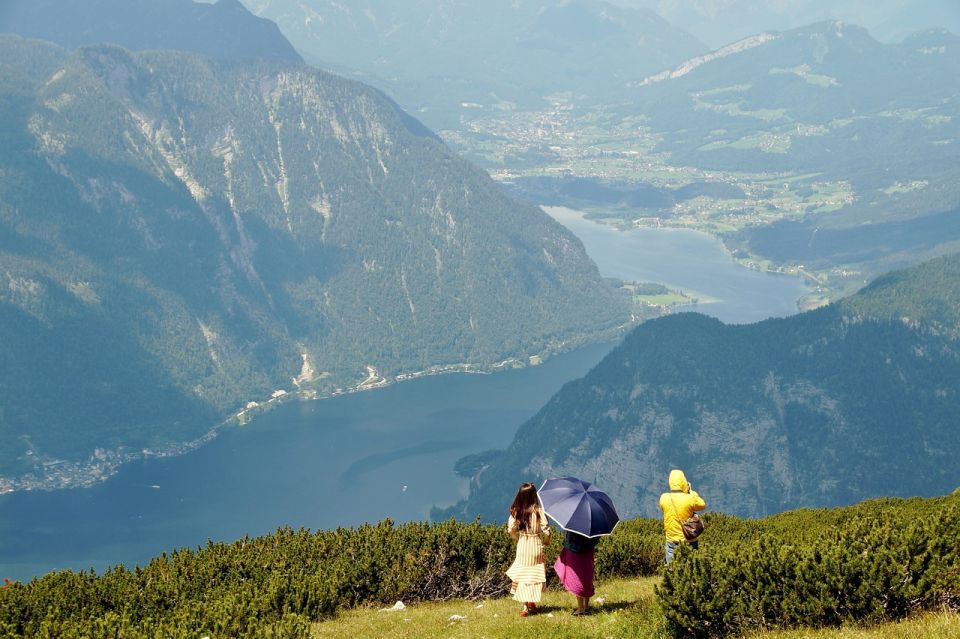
{"x":444,"y":58}
{"x":180,"y":236}
{"x":855,"y":400}
{"x":720,"y":22}
{"x":826,"y":103}
{"x":828,"y":97}
{"x":222,"y":30}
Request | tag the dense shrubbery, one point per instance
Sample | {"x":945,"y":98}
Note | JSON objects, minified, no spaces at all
{"x":275,"y":585}
{"x":880,"y":560}
{"x":257,"y":587}
{"x":876,"y":562}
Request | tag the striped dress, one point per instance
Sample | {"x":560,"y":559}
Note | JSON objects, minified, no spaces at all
{"x":528,"y":571}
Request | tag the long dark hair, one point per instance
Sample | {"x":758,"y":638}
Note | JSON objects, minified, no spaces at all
{"x":525,"y":506}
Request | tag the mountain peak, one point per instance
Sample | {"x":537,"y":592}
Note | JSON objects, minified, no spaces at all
{"x":288,"y":230}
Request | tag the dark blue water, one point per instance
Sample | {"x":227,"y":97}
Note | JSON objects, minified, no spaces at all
{"x":355,"y":458}
{"x":343,"y":461}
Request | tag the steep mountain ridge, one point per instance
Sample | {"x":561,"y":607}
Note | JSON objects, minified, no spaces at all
{"x":189,"y":235}
{"x":854,"y":400}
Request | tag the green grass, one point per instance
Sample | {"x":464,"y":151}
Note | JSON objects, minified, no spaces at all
{"x":622,"y":608}
{"x":666,"y":299}
{"x":766,"y":142}
{"x":943,"y":625}
{"x":803,"y":71}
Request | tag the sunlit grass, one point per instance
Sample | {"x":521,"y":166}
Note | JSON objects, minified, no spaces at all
{"x":942,"y":625}
{"x":622,"y":609}
{"x":666,"y":299}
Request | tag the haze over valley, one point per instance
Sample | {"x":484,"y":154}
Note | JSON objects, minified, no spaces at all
{"x":632,"y":236}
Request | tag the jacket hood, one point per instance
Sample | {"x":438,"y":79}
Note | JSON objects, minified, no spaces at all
{"x":678,"y":481}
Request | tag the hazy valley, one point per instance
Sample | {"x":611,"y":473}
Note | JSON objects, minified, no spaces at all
{"x":214,"y":212}
{"x":819,"y":152}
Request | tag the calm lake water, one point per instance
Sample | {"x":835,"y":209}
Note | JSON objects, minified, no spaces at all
{"x":360,"y":457}
{"x":321,"y":464}
{"x":687,"y":260}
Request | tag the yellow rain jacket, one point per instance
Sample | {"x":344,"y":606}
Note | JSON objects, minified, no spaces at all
{"x":679,"y":504}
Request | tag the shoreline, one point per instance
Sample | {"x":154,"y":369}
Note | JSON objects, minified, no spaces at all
{"x":103,"y":464}
{"x":817,"y":295}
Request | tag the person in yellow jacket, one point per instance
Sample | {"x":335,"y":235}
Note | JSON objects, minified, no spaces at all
{"x":679,"y":504}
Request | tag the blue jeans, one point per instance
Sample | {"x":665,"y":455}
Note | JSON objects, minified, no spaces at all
{"x":672,"y":548}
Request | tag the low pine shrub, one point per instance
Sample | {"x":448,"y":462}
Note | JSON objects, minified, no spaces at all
{"x":869,"y":570}
{"x":636,"y":549}
{"x":270,"y":586}
{"x":880,"y":560}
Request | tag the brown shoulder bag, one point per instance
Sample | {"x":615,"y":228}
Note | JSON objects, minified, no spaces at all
{"x":692,"y":527}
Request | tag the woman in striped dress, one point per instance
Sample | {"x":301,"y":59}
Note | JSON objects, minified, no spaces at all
{"x":528,"y":525}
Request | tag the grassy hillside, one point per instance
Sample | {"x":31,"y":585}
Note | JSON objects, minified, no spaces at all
{"x":881,"y":561}
{"x":622,"y":609}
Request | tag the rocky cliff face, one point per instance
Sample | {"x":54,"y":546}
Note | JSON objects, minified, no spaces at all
{"x":851,"y":401}
{"x":193,"y":235}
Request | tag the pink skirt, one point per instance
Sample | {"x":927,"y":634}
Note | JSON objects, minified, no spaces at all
{"x":575,"y":570}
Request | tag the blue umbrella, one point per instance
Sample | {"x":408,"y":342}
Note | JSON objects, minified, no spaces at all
{"x":578,"y":506}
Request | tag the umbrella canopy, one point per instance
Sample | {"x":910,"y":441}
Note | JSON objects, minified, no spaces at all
{"x":578,"y":506}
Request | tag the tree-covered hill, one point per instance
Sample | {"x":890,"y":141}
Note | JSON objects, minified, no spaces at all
{"x":180,"y":236}
{"x":221,"y":30}
{"x":858,"y":399}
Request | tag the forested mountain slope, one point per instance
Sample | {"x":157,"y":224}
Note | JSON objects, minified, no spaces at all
{"x":179,"y":236}
{"x":854,"y":400}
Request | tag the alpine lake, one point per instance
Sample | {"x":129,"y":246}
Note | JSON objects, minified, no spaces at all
{"x":367,"y":456}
